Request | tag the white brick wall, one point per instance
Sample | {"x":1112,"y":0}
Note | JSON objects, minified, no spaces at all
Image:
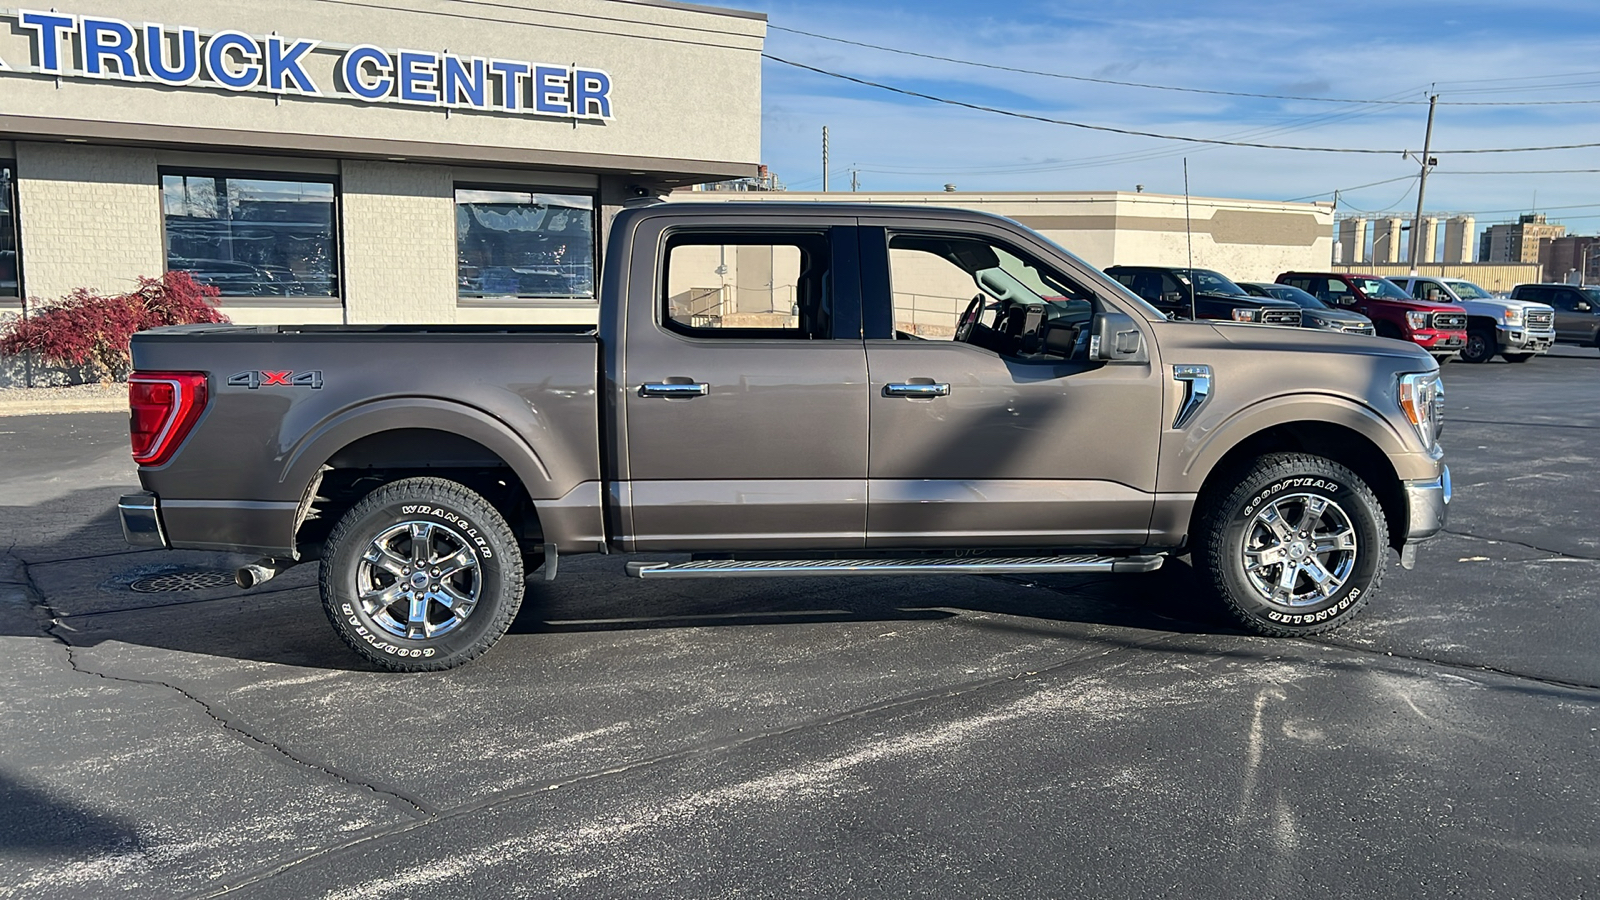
{"x":90,"y":217}
{"x":399,"y":243}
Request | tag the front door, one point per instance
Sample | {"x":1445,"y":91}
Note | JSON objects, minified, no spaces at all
{"x":745,"y":394}
{"x":990,"y":426}
{"x":1575,"y":320}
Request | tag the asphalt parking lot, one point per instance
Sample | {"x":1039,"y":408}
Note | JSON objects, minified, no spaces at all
{"x":959,"y":737}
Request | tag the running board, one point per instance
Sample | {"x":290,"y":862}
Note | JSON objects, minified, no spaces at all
{"x":970,"y":565}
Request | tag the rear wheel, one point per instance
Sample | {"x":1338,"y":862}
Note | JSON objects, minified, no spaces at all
{"x":1481,"y":346}
{"x":423,"y":574}
{"x":1293,"y":546}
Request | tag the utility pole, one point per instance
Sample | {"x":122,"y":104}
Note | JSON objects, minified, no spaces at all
{"x":1422,"y":187}
{"x":1337,"y":250}
{"x":855,"y":180}
{"x":824,"y":159}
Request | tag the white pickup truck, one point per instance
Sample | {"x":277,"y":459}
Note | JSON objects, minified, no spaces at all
{"x":1516,"y":329}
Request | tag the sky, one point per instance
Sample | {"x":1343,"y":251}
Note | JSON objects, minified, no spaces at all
{"x":1464,"y":50}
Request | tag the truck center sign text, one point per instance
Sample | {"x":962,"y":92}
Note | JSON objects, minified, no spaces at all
{"x":104,"y":48}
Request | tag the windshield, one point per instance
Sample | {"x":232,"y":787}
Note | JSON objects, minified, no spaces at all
{"x":1215,"y":282}
{"x":1592,"y":293}
{"x":1380,"y":289}
{"x":1466,"y":290}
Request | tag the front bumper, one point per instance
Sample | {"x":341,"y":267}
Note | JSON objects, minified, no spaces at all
{"x":1520,"y":340}
{"x":141,"y":520}
{"x":1427,"y":506}
{"x":1440,"y":342}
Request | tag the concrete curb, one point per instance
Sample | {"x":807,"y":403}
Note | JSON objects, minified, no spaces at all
{"x":49,"y":406}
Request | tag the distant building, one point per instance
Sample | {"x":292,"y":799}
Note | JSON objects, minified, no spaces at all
{"x":1458,"y":239}
{"x":1386,"y":240}
{"x":1518,"y":242}
{"x":1248,"y":240}
{"x":1572,"y":259}
{"x":1424,"y":233}
{"x":1353,"y":240}
{"x":763,"y":181}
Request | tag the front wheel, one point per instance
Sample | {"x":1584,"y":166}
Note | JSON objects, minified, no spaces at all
{"x":423,"y":574}
{"x":1481,"y":346}
{"x":1293,"y":546}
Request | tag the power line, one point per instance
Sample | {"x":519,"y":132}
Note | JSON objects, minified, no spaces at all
{"x":1149,"y":134}
{"x":1349,"y":189}
{"x":1390,"y":208}
{"x":1221,"y":93}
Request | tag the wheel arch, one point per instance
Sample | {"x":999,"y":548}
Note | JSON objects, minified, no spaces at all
{"x":1352,"y":447}
{"x":359,"y":449}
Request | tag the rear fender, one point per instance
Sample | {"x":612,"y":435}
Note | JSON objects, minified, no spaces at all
{"x":344,"y":428}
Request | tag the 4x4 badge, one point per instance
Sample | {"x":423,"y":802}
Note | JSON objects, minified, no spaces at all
{"x":287,"y":378}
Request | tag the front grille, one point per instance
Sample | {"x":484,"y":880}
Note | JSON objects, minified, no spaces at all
{"x":1449,"y":321}
{"x":1357,"y":328}
{"x":1540,"y":320}
{"x":1281,"y":317}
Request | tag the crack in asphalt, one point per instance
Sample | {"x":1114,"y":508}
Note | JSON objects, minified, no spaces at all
{"x":1457,"y":665}
{"x":1516,"y":543}
{"x":215,"y":711}
{"x":893,"y":705}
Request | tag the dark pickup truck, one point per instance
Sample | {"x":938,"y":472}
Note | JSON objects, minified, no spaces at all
{"x":791,"y":390}
{"x":1203,"y":294}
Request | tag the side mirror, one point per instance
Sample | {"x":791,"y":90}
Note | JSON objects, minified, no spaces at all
{"x":1115,"y":338}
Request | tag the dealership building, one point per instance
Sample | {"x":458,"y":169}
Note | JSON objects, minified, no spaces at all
{"x":350,"y":161}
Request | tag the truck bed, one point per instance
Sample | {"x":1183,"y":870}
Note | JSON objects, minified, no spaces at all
{"x":285,"y":400}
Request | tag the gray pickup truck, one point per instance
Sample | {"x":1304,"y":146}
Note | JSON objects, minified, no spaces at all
{"x":792,"y":390}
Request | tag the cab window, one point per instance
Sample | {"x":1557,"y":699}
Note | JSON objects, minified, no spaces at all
{"x":773,"y":286}
{"x":990,"y":295}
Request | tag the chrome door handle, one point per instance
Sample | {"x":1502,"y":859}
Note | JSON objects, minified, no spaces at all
{"x":916,"y":390}
{"x":662,"y":389}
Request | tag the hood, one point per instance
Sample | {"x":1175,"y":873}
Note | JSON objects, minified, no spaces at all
{"x":1336,"y":315}
{"x":1313,"y":340}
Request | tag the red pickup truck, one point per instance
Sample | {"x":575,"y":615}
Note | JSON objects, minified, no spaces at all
{"x":1438,"y":328}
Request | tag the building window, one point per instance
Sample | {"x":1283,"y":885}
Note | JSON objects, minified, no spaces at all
{"x":10,"y":281}
{"x":252,"y":236}
{"x":524,"y":244}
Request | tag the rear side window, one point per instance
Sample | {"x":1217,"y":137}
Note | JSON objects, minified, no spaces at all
{"x":770,"y":286}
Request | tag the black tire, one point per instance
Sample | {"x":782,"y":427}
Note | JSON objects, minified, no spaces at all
{"x":1518,"y":357}
{"x":1481,"y":346}
{"x":364,"y":556}
{"x":1388,"y":330}
{"x":1229,"y":524}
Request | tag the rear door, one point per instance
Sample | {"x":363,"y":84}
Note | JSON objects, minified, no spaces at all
{"x":981,"y":436}
{"x":745,"y":389}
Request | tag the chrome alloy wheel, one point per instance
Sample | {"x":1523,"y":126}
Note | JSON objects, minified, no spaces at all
{"x":418,"y":580}
{"x":1299,"y":550}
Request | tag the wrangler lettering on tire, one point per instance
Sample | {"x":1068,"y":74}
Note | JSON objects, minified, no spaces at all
{"x":1292,"y":544}
{"x":421,"y":575}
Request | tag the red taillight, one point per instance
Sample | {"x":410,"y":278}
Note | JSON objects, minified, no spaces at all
{"x":164,"y":405}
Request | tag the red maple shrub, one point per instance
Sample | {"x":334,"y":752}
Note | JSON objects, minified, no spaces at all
{"x":92,"y":330}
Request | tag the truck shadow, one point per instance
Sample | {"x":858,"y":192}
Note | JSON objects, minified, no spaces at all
{"x":86,"y":576}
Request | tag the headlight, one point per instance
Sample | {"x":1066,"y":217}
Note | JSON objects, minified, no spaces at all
{"x":1246,"y":315}
{"x":1421,"y":397}
{"x":1417,"y":320}
{"x":1513,"y":317}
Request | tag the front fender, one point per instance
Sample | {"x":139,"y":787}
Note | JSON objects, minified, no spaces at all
{"x":1189,"y":456}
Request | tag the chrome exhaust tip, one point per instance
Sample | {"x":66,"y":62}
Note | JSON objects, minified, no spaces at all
{"x":260,"y":572}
